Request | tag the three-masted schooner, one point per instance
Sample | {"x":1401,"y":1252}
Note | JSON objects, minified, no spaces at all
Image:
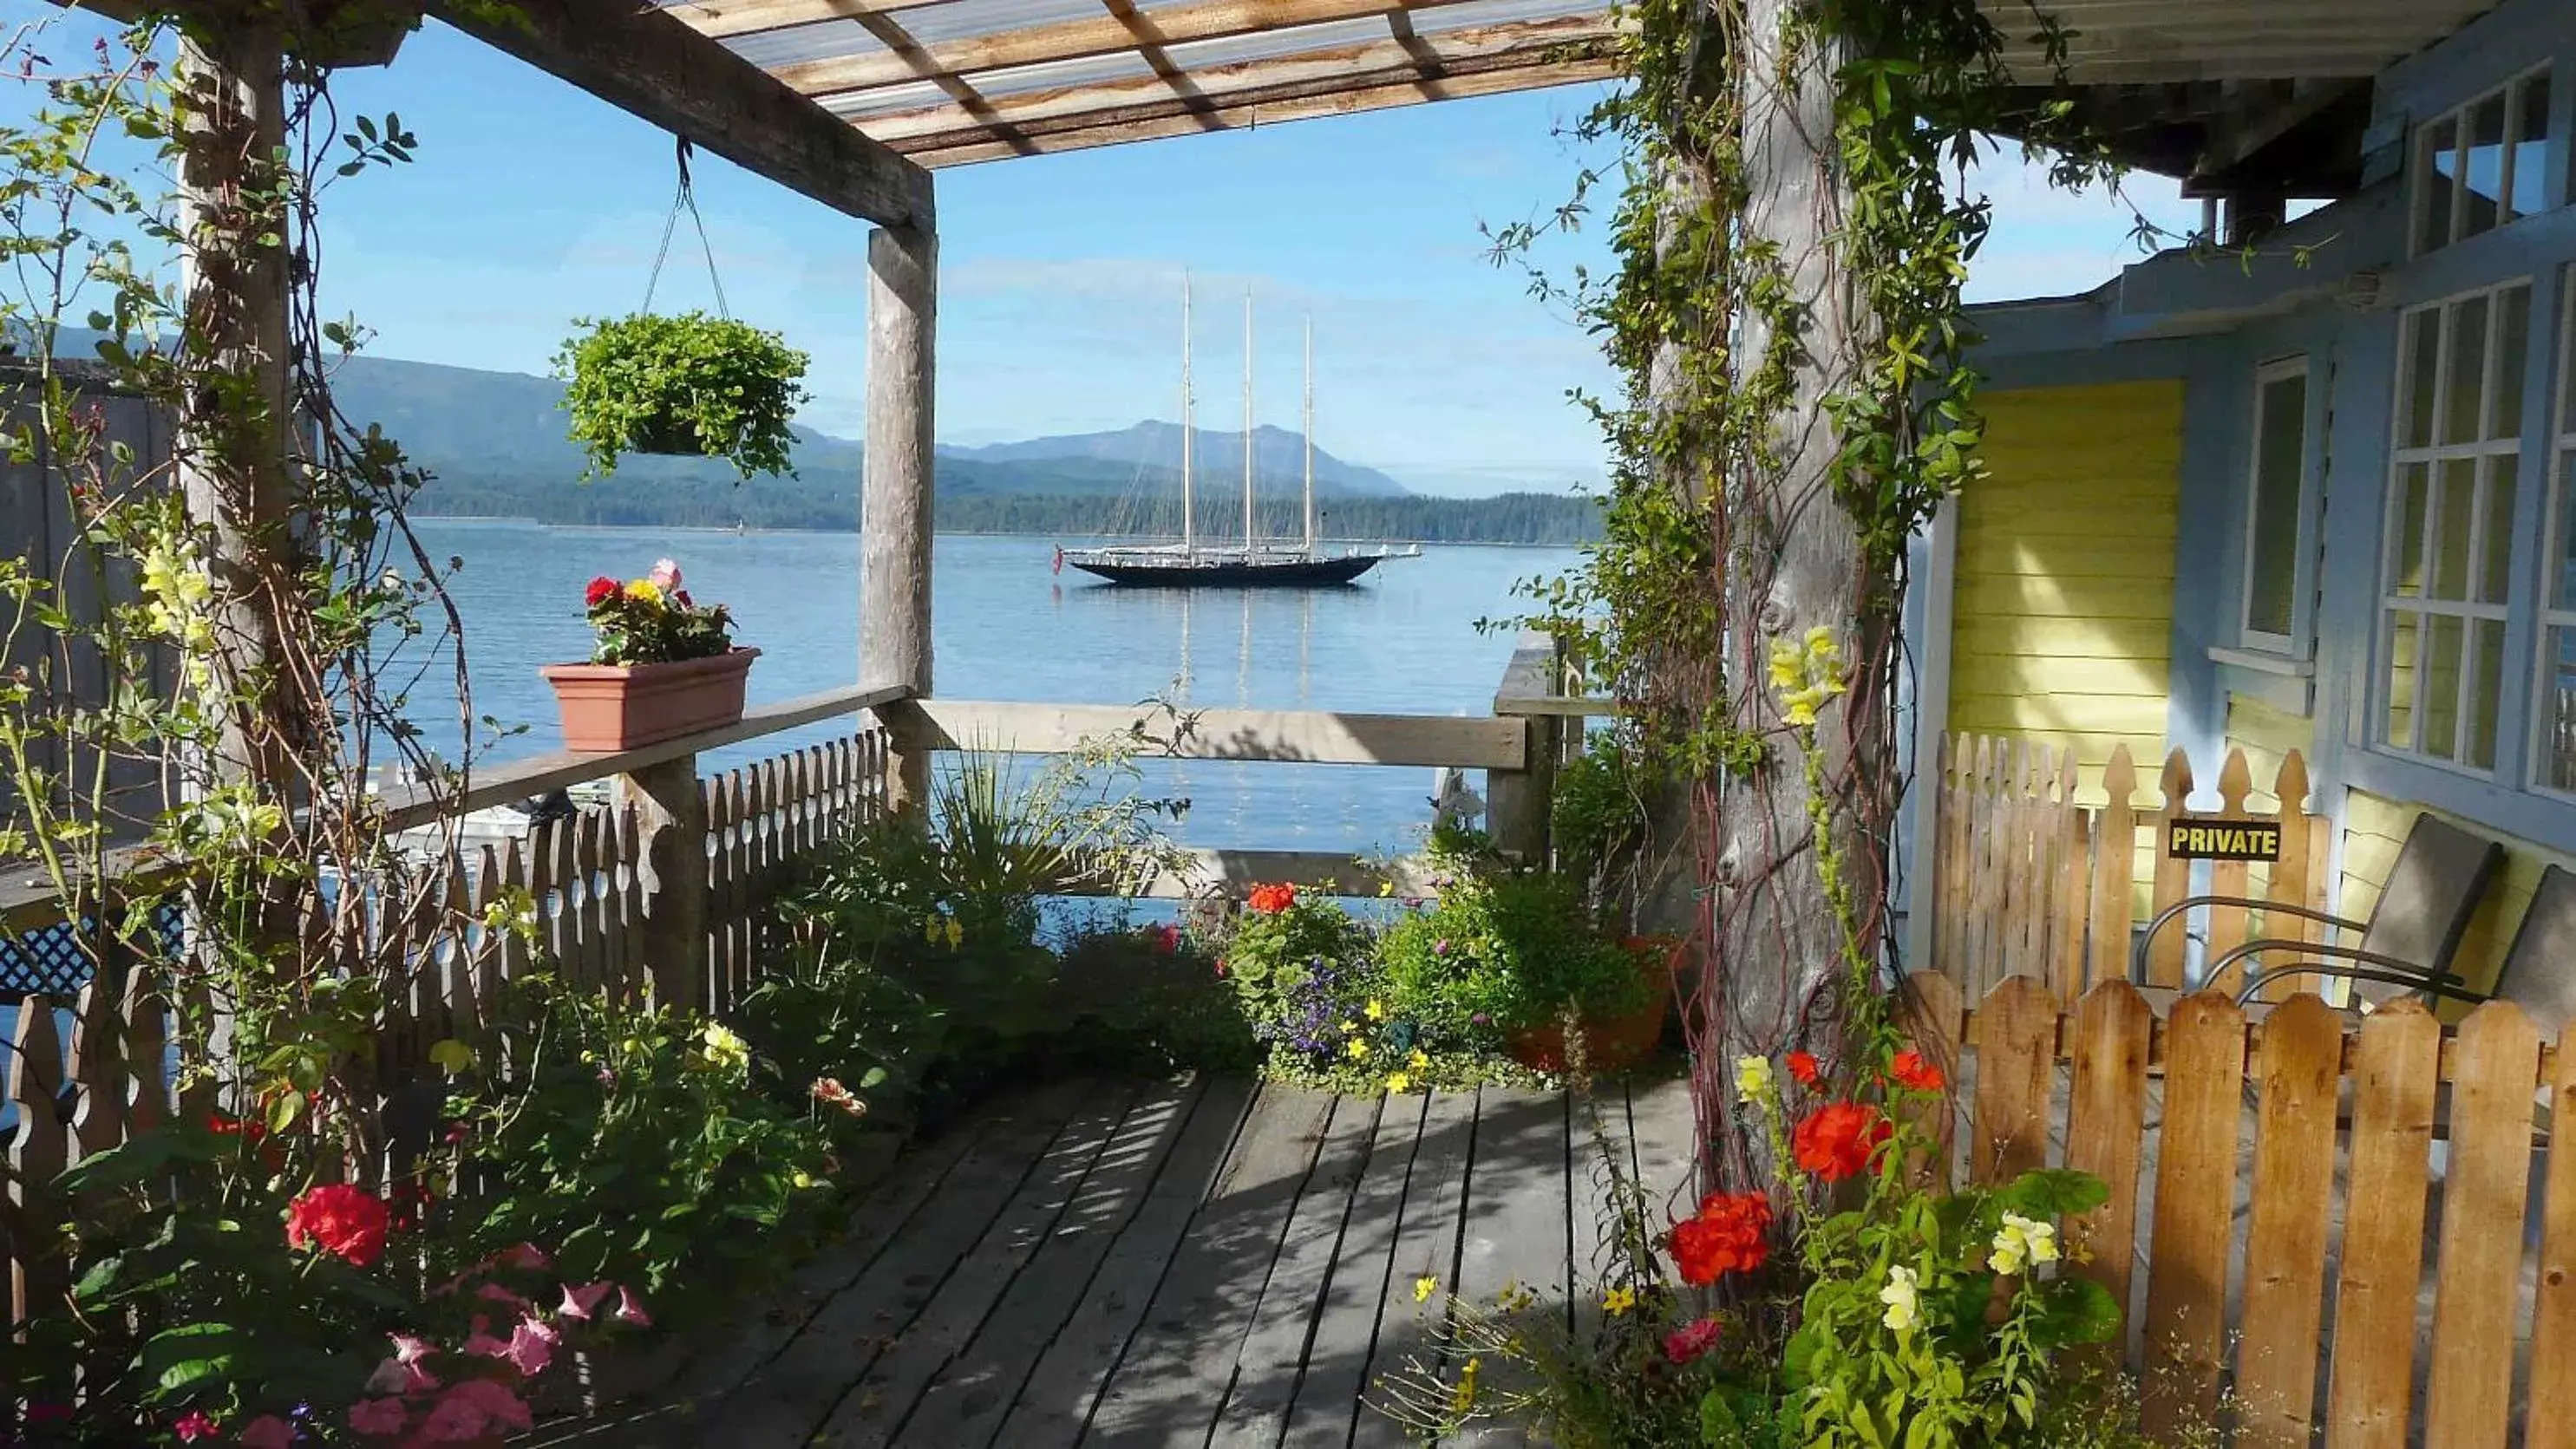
{"x":1252,"y":563}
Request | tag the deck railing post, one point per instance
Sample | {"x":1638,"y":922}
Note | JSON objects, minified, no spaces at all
{"x":895,"y":512}
{"x":1518,"y":802}
{"x":673,"y":811}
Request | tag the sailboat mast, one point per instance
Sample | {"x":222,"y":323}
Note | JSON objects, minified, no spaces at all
{"x":1189,"y":532}
{"x":1247,"y":424}
{"x":1307,"y":431}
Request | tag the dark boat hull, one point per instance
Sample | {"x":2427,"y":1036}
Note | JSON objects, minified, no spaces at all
{"x":1237,"y":574}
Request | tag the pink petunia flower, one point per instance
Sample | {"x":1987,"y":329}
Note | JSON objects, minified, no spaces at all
{"x":394,"y":1376}
{"x":379,"y":1416}
{"x":528,"y":1256}
{"x":532,"y":1347}
{"x":665,"y":575}
{"x":580,"y":1303}
{"x":629,"y":1310}
{"x":494,"y":1401}
{"x":267,"y":1432}
{"x":411,"y":1348}
{"x":495,"y":1293}
{"x":1688,"y":1342}
{"x":481,"y":1340}
{"x":455,"y":1419}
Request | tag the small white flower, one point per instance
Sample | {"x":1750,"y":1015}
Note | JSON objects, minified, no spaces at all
{"x":2020,"y":1241}
{"x":1904,"y":1309}
{"x":1752,"y":1078}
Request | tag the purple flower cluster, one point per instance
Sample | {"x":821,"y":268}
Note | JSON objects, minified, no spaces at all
{"x":1316,"y":1011}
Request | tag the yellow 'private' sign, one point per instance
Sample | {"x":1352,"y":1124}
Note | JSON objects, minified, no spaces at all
{"x":2200,"y":838}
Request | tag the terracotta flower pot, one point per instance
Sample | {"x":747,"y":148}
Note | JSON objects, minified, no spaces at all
{"x":608,"y":707}
{"x":1614,"y":1044}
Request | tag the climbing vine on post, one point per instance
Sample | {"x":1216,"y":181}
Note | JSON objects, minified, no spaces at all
{"x":1792,"y":236}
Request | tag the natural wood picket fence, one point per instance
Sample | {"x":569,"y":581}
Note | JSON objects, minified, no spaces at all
{"x":2028,"y":882}
{"x":2227,"y":1236}
{"x":592,"y":879}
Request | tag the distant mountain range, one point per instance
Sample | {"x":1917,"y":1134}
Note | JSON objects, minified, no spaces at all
{"x":465,"y":423}
{"x":495,"y":444}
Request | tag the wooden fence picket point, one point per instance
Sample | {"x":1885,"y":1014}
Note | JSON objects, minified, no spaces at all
{"x":2495,"y":1067}
{"x":2396,"y":1070}
{"x":2172,"y":877}
{"x":2115,"y":864}
{"x":2299,"y":1066}
{"x":2195,"y":1204}
{"x":2227,"y":923}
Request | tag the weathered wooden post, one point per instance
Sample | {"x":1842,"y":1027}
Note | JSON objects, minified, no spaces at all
{"x":672,"y":807}
{"x":895,"y":512}
{"x":233,"y":438}
{"x":1518,"y":803}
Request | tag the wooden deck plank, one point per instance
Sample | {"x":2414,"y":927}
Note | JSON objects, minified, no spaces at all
{"x":1346,"y":1326}
{"x":1426,"y":1245}
{"x":1172,"y":1380}
{"x":755,"y":1340}
{"x":871,"y":1411}
{"x":1271,"y":1363}
{"x":1599,"y":1138}
{"x":973,"y":1393}
{"x":789,"y":1397}
{"x":1515,"y":1218}
{"x":1055,"y":1400}
{"x":1663,"y":1136}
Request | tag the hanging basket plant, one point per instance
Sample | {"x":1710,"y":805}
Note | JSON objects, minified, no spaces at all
{"x":688,"y":386}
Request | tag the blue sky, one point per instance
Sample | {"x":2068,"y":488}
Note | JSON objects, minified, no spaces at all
{"x":532,"y":204}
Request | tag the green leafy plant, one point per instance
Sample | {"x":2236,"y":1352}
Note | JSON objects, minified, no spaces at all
{"x":690,"y":384}
{"x":628,"y":1138}
{"x":1500,"y":950}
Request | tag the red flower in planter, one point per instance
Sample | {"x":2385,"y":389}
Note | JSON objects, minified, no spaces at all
{"x":1837,"y":1139}
{"x":1802,"y":1066}
{"x":601,"y":590}
{"x":1913,"y":1073}
{"x":1270,"y":900}
{"x":1728,"y":1236}
{"x":343,"y":1220}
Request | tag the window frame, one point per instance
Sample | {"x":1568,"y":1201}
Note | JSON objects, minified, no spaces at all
{"x":2546,"y":615}
{"x":2433,"y":455}
{"x":2295,"y":643}
{"x":2419,"y":192}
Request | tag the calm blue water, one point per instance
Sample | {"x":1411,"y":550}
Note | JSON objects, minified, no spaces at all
{"x":1005,"y":627}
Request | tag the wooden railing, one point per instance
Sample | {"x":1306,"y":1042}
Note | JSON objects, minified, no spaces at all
{"x":2028,"y":882}
{"x":2226,"y":1277}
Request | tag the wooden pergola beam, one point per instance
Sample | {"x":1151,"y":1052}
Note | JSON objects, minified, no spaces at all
{"x":1268,"y":81}
{"x":1242,"y":114}
{"x":650,"y":64}
{"x":1103,"y":34}
{"x":719,"y":19}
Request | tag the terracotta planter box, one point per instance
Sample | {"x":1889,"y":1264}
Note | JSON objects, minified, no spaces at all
{"x":609,"y":707}
{"x":1613,"y":1045}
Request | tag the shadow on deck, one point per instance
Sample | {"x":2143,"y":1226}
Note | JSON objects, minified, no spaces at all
{"x":1202,"y":1263}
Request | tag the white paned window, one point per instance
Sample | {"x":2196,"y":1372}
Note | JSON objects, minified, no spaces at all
{"x":2482,"y":165}
{"x":2448,"y":566}
{"x":2278,"y":491}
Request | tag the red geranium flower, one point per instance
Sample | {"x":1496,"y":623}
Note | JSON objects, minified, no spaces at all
{"x":1911,"y":1071}
{"x":1837,"y":1139}
{"x":1728,"y":1236}
{"x":1802,"y":1065}
{"x":338,"y":1218}
{"x":1691,"y":1340}
{"x":1270,"y":900}
{"x":601,"y":590}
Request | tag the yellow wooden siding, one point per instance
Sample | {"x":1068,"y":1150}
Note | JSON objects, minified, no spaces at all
{"x":2267,"y":736}
{"x":2062,"y":607}
{"x":2373,"y":830}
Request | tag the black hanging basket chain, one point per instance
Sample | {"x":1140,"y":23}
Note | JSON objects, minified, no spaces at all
{"x":685,"y":198}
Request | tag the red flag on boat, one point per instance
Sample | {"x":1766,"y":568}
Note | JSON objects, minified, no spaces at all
{"x":1059,"y":558}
